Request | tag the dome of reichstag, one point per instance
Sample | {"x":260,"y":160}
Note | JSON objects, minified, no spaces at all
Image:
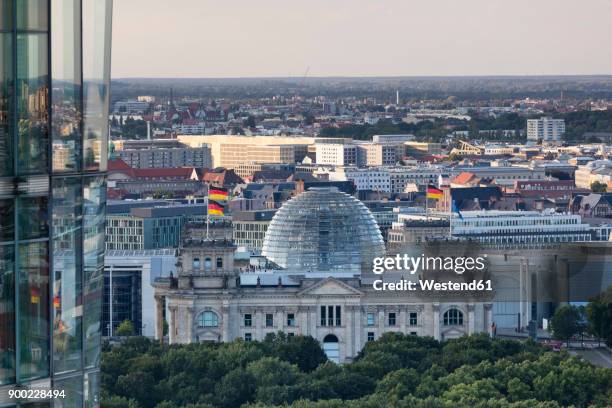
{"x":323,"y":230}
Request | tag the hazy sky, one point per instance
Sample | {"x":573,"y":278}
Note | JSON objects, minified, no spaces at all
{"x":255,"y":38}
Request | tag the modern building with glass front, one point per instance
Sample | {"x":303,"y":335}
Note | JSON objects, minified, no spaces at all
{"x":54,"y":79}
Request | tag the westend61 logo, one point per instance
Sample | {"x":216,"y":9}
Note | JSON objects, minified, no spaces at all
{"x":411,"y":264}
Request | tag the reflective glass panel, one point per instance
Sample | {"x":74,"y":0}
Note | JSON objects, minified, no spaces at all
{"x":6,"y":14}
{"x":6,"y":107}
{"x":33,"y":336}
{"x":94,"y":200}
{"x":32,"y":14}
{"x":67,"y":279}
{"x":73,"y":387}
{"x":33,"y":218}
{"x":32,"y":103}
{"x":7,"y":220}
{"x":66,"y":81}
{"x":96,"y":74}
{"x":7,"y":317}
{"x":92,"y":390}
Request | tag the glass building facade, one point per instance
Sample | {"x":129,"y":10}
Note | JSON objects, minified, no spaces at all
{"x":323,"y":229}
{"x":54,"y":80}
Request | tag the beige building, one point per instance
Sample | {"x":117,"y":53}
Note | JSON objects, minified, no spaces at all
{"x":231,"y":150}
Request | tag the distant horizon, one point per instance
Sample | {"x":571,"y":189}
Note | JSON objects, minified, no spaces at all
{"x":359,"y":38}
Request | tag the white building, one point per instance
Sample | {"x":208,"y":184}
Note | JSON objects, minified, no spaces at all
{"x":545,"y":129}
{"x":128,"y":281}
{"x":517,"y":229}
{"x":337,"y":154}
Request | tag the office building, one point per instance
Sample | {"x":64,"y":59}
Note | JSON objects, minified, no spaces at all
{"x":131,"y":294}
{"x":150,"y":227}
{"x":249,"y":228}
{"x":147,"y":155}
{"x":336,"y":154}
{"x":545,"y":129}
{"x":54,"y":87}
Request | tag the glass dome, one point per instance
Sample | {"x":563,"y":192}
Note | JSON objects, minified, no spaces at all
{"x":323,"y":230}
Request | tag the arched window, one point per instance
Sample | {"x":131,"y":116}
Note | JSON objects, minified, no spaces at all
{"x":331,"y":347}
{"x":196,"y":263}
{"x":453,"y":317}
{"x":207,"y":264}
{"x":208,"y":319}
{"x":219,"y":262}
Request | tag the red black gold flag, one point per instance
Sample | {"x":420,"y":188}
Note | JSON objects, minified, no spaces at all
{"x":215,"y":208}
{"x":433,"y":192}
{"x":217,"y":193}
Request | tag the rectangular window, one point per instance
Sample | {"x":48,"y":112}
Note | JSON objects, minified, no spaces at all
{"x":7,"y":105}
{"x":7,"y":317}
{"x":66,"y":101}
{"x":290,"y":334}
{"x":33,"y":336}
{"x":370,"y":319}
{"x":32,"y":14}
{"x":7,"y":220}
{"x":248,"y":320}
{"x":33,"y":218}
{"x":248,"y":337}
{"x":330,"y":315}
{"x":370,"y":336}
{"x":338,"y":316}
{"x":413,"y":333}
{"x":32,"y":103}
{"x":290,"y":319}
{"x":269,"y":320}
{"x":392,"y":319}
{"x":323,"y":314}
{"x":413,"y":319}
{"x":67,"y":278}
{"x":94,"y":199}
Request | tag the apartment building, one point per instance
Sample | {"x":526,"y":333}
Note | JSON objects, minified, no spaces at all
{"x":545,"y":129}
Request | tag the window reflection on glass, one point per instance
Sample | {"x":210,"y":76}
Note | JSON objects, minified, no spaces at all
{"x":6,"y":107}
{"x":7,"y":317}
{"x":92,"y":389}
{"x":33,"y":218}
{"x":96,"y":33}
{"x":32,"y":14}
{"x":33,"y":335}
{"x":7,"y":220}
{"x":67,"y":279}
{"x":73,"y":388}
{"x":66,"y":89}
{"x":6,"y":14}
{"x":94,"y":199}
{"x":32,"y":103}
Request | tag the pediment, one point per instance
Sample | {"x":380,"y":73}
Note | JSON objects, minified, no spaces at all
{"x":331,"y":287}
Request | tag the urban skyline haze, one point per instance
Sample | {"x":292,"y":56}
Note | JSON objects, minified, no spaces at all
{"x":274,"y":38}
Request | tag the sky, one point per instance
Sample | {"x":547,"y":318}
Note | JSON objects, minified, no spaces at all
{"x":280,"y":38}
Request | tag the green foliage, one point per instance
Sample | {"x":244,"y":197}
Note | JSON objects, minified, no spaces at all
{"x":599,"y":315}
{"x":125,"y":328}
{"x":566,"y":322}
{"x":394,"y":371}
{"x":598,"y":187}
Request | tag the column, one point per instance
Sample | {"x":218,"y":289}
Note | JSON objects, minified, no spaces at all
{"x":159,"y":318}
{"x":172,"y":327}
{"x":312,"y":321}
{"x":357,"y":321}
{"x":347,"y":323}
{"x":259,"y":322}
{"x":403,"y":317}
{"x":190,"y":313}
{"x":225,"y":334}
{"x":488,"y":308}
{"x":471,"y":318}
{"x":436,"y":321}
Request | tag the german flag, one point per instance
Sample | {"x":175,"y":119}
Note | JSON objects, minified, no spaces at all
{"x":215,"y":208}
{"x":433,"y":192}
{"x":217,"y":193}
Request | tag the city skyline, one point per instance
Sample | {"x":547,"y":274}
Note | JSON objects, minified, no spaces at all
{"x":203,"y":39}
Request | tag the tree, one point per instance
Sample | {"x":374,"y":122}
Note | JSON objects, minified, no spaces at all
{"x":125,"y":328}
{"x":598,"y":187}
{"x":566,"y":322}
{"x":599,"y":316}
